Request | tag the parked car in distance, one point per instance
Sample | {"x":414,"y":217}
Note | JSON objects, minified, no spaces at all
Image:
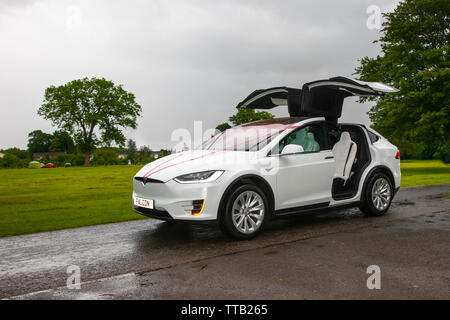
{"x":49,"y":165}
{"x":249,"y":174}
{"x":67,"y":165}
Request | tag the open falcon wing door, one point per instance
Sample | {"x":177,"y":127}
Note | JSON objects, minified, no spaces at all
{"x":273,"y":97}
{"x":322,"y":98}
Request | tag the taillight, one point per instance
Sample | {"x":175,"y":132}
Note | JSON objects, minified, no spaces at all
{"x":397,"y":156}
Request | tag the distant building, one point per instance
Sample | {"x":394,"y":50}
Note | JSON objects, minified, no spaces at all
{"x":40,"y":155}
{"x":2,"y":154}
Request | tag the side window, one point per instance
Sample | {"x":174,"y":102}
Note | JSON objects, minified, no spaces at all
{"x":372,"y":136}
{"x":312,"y":138}
{"x":335,"y":135}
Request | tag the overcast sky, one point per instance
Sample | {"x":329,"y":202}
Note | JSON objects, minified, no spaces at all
{"x":184,"y":60}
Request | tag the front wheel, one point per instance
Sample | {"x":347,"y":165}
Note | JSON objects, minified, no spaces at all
{"x":245,"y":213}
{"x":378,"y":195}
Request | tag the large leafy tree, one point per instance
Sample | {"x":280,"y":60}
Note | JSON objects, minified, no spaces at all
{"x":39,"y":141}
{"x":415,"y":50}
{"x":244,"y":116}
{"x":94,"y":110}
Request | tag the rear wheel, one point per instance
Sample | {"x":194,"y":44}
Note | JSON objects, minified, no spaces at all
{"x":245,"y":213}
{"x":378,"y":195}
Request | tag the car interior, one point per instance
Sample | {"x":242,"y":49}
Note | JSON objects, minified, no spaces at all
{"x":352,"y":156}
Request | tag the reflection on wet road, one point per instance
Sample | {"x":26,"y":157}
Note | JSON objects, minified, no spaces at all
{"x":36,"y":262}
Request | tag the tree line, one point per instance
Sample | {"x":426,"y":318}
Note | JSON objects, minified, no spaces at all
{"x":59,"y":149}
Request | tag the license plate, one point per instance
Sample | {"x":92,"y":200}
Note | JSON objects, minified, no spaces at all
{"x":144,"y":203}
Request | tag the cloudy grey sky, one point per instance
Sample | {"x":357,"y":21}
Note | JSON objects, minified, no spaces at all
{"x":184,"y":60}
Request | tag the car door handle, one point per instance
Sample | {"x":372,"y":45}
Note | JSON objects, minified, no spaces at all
{"x":329,"y":157}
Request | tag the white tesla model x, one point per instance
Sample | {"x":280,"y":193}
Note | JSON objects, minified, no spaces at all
{"x":249,"y":174}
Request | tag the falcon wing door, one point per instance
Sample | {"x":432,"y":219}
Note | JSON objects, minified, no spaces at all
{"x":273,"y":97}
{"x":325,"y":97}
{"x":322,"y":98}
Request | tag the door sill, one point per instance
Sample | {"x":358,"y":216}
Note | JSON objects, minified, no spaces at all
{"x":301,"y":209}
{"x":324,"y":206}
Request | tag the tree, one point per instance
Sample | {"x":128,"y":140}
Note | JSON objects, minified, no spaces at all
{"x":244,"y":116}
{"x":131,"y":149}
{"x":20,"y":154}
{"x":39,"y":141}
{"x":415,"y":49}
{"x":9,"y":160}
{"x":94,"y":110}
{"x":249,"y":115}
{"x":105,"y":156}
{"x":62,"y":142}
{"x":223,"y":126}
{"x":145,"y":155}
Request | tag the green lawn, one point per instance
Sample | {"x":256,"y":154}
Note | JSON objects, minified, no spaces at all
{"x":52,"y":199}
{"x":35,"y":200}
{"x":422,"y":172}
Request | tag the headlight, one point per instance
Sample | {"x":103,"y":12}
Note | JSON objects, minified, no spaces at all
{"x":196,"y":177}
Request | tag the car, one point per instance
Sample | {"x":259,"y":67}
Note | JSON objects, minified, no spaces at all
{"x":49,"y":165}
{"x":307,"y":162}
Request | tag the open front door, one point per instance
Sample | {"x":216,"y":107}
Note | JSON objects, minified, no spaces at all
{"x":322,"y":98}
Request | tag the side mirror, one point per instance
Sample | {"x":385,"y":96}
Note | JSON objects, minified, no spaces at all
{"x":292,"y":148}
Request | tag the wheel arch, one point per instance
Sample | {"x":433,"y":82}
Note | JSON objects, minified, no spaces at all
{"x":377,"y":169}
{"x":247,"y":179}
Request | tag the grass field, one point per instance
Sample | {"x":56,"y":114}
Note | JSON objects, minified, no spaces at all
{"x":52,"y":199}
{"x":423,"y":172}
{"x":35,"y":200}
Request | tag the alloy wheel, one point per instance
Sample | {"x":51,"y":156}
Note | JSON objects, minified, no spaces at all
{"x":381,"y":194}
{"x":248,"y":212}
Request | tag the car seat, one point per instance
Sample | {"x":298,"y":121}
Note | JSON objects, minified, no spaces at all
{"x":311,"y":144}
{"x":300,"y":139}
{"x":344,"y":152}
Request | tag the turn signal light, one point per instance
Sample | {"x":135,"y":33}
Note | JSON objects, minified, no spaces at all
{"x":197,"y":207}
{"x":397,"y":156}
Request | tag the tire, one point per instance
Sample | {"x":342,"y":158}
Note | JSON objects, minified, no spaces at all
{"x":239,"y":220}
{"x":377,"y":195}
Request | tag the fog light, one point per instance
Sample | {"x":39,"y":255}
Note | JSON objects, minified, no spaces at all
{"x":197,"y":207}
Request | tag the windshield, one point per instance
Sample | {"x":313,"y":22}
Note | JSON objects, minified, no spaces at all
{"x":248,"y":137}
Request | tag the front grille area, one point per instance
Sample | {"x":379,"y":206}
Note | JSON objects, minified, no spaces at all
{"x":147,"y":180}
{"x":153,"y":213}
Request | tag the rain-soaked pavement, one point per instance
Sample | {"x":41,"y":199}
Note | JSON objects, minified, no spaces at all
{"x":313,"y":256}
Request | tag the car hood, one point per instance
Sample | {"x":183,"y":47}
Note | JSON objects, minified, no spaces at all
{"x":177,"y":164}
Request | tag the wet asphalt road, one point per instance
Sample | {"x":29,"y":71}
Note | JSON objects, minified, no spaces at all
{"x":315,"y":256}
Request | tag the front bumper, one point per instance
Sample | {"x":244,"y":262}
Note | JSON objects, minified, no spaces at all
{"x":173,"y":200}
{"x":153,"y":213}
